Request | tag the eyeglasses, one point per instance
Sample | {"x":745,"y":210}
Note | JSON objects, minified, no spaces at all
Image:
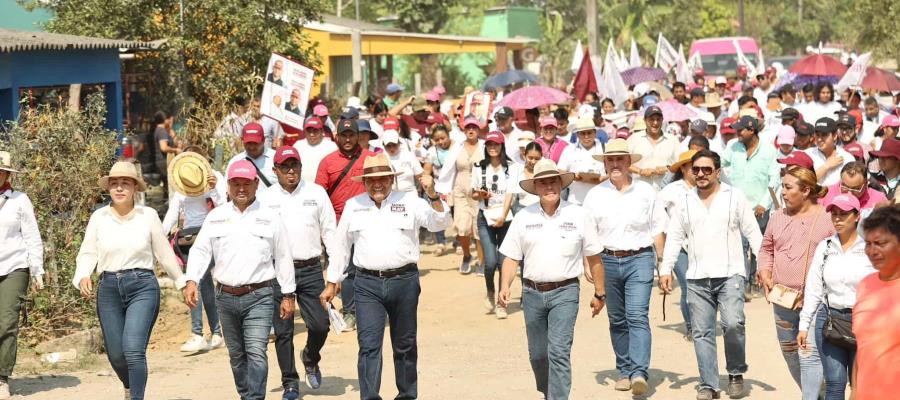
{"x":857,"y":190}
{"x":705,"y":170}
{"x":284,"y":168}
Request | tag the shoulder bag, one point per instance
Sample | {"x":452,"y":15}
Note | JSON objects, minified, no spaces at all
{"x":343,"y":174}
{"x":258,"y":172}
{"x":786,"y":296}
{"x":837,"y":329}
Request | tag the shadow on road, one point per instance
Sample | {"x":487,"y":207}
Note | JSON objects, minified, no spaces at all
{"x":35,"y":384}
{"x":676,"y":381}
{"x":331,"y":386}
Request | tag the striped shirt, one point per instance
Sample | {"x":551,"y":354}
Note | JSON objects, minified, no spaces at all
{"x":789,"y":243}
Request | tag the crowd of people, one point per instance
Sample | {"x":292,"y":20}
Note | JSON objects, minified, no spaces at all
{"x":788,"y":194}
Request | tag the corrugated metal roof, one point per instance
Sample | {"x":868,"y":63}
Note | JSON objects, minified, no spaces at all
{"x":16,"y":41}
{"x":354,"y":24}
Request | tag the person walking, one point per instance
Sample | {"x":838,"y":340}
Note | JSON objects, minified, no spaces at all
{"x":308,"y":217}
{"x":578,"y":159}
{"x":827,"y":157}
{"x":784,"y":261}
{"x":123,"y":242}
{"x":715,"y":275}
{"x":838,"y":265}
{"x":382,"y":226}
{"x":256,"y":152}
{"x":657,"y":150}
{"x":250,"y":245}
{"x":551,"y":238}
{"x":313,"y":148}
{"x":21,"y":261}
{"x":628,"y":219}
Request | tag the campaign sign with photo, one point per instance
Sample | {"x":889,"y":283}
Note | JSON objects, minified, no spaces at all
{"x":478,"y":104}
{"x":286,"y":91}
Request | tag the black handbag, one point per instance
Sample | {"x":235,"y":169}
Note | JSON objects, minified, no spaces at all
{"x":837,"y":330}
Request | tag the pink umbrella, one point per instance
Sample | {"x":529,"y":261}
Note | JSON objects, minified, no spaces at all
{"x":675,"y":111}
{"x":532,"y":97}
{"x":818,"y":65}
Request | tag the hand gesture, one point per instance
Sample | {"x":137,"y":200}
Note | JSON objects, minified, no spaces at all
{"x":427,"y":182}
{"x":834,"y":161}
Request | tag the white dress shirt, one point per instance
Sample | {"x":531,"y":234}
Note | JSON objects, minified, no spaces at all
{"x":249,"y":247}
{"x":311,"y":156}
{"x":115,"y":243}
{"x":869,"y":126}
{"x":833,"y":176}
{"x":843,"y":272}
{"x":385,"y":237}
{"x":405,"y":162}
{"x":22,"y":246}
{"x":627,"y":220}
{"x":663,"y":153}
{"x":552,"y":246}
{"x":576,"y":158}
{"x":308,"y":217}
{"x":711,"y":236}
{"x":264,"y":163}
{"x":195,"y":208}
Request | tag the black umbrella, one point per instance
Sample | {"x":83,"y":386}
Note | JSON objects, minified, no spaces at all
{"x":507,"y":78}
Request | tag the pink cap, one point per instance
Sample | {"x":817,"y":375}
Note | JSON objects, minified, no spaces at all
{"x":242,"y":169}
{"x":313,"y":122}
{"x":548,"y":121}
{"x":845,"y":202}
{"x":622,"y":133}
{"x":285,"y":153}
{"x":891,"y":120}
{"x":798,"y":158}
{"x":320,"y":110}
{"x":471,"y":121}
{"x":786,"y":135}
{"x":252,"y":133}
{"x":432,"y":96}
{"x":439,"y":90}
{"x":391,"y":123}
{"x":856,"y":150}
{"x":495,"y":137}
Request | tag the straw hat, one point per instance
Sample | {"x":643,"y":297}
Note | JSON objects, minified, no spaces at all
{"x":618,"y":147}
{"x":377,"y":165}
{"x":584,"y":124}
{"x":123,"y":169}
{"x":546,"y":168}
{"x":712,"y":100}
{"x":639,"y":125}
{"x":188,"y":172}
{"x":6,"y":162}
{"x":684,"y":158}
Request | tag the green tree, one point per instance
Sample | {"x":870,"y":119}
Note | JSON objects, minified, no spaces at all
{"x":878,"y":33}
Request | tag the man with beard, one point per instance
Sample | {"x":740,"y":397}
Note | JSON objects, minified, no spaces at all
{"x":716,"y":277}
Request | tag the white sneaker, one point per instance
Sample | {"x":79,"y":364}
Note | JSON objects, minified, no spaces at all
{"x":194,"y":344}
{"x":458,"y":251}
{"x":501,"y":312}
{"x":438,"y":250}
{"x":4,"y":390}
{"x":490,"y":304}
{"x":216,"y":341}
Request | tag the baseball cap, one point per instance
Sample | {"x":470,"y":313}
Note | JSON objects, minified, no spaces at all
{"x":351,"y":113}
{"x":439,"y":89}
{"x":650,"y":100}
{"x":720,"y":80}
{"x":434,"y":118}
{"x":622,"y":133}
{"x":746,"y":122}
{"x":548,"y":121}
{"x":471,"y":120}
{"x":698,"y":72}
{"x":697,"y":92}
{"x":320,"y":110}
{"x":790,"y":113}
{"x":891,"y":120}
{"x":786,"y":135}
{"x":773,"y":95}
{"x":798,"y":158}
{"x":242,"y":169}
{"x":393,"y":88}
{"x":391,"y":123}
{"x":889,"y":148}
{"x":846,"y":120}
{"x":432,"y":96}
{"x":285,"y":153}
{"x":525,"y":137}
{"x":804,"y":128}
{"x":348,"y":125}
{"x":856,"y":150}
{"x":698,"y":126}
{"x":641,"y":89}
{"x":845,"y":202}
{"x":725,"y":127}
{"x":364,"y":126}
{"x":390,"y":136}
{"x":652,"y":110}
{"x":825,"y":124}
{"x":252,"y":133}
{"x":503,"y":113}
{"x":312,"y":122}
{"x":495,"y":137}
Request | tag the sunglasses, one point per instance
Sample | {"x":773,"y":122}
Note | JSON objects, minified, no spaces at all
{"x":705,"y":170}
{"x":284,"y":168}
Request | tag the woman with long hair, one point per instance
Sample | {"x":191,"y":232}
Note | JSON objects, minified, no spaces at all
{"x":123,"y":242}
{"x":823,"y":104}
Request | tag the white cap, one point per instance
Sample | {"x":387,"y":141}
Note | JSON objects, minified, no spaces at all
{"x":353,"y":102}
{"x":390,"y":136}
{"x":585,"y":111}
{"x":708,"y":117}
{"x":720,"y":80}
{"x":641,"y":89}
{"x":525,"y":137}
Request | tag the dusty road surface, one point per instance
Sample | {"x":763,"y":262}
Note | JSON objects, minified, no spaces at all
{"x":464,"y":354}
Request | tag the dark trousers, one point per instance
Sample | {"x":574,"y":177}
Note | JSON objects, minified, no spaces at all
{"x":310,"y":284}
{"x":12,"y":295}
{"x":398,"y":299}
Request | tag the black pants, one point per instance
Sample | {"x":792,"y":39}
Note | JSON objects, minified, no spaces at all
{"x":310,"y":284}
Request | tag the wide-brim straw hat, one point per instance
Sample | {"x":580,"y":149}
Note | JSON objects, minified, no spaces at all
{"x":6,"y":162}
{"x":712,"y":99}
{"x":618,"y":147}
{"x":377,"y":165}
{"x":683,"y":158}
{"x":546,"y":168}
{"x":188,"y":173}
{"x":123,"y":169}
{"x":584,"y":124}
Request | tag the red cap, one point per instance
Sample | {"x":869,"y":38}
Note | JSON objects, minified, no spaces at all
{"x":285,"y":153}
{"x":252,"y":133}
{"x":799,"y":158}
{"x":434,"y":118}
{"x":439,"y":89}
{"x":495,"y":137}
{"x":391,"y":123}
{"x":320,"y":110}
{"x":856,"y":150}
{"x":857,"y":115}
{"x":312,"y":122}
{"x":622,"y":133}
{"x":242,"y":169}
{"x":548,"y":121}
{"x":725,"y":126}
{"x":698,"y":72}
{"x":471,"y":121}
{"x":770,"y":70}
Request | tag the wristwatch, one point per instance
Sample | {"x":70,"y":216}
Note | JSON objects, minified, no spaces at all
{"x":289,"y":296}
{"x":433,"y":199}
{"x":601,"y":297}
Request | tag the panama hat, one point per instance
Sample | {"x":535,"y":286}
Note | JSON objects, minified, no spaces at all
{"x":546,"y":168}
{"x":6,"y":162}
{"x":188,"y":172}
{"x":123,"y":169}
{"x":683,"y":158}
{"x":584,"y":124}
{"x":618,"y":147}
{"x":712,"y":100}
{"x":377,"y":165}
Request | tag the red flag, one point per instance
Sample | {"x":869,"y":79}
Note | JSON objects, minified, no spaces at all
{"x":585,"y":82}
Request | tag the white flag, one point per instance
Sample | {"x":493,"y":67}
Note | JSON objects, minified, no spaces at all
{"x":695,"y":62}
{"x":855,"y":74}
{"x":597,"y":65}
{"x":635,"y":58}
{"x":576,"y":57}
{"x":761,"y":64}
{"x":742,"y":59}
{"x":666,"y":56}
{"x":612,"y":85}
{"x":682,"y":72}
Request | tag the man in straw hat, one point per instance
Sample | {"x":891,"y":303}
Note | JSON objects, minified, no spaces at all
{"x":251,"y":250}
{"x":309,"y":219}
{"x":629,"y":220}
{"x":383,"y":227}
{"x":702,"y":219}
{"x":196,"y":193}
{"x":551,"y":237}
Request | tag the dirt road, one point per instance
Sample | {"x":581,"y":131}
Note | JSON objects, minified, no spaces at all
{"x":463,"y":354}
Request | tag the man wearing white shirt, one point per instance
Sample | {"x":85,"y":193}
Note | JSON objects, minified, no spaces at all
{"x":250,"y":245}
{"x":628,"y":219}
{"x":657,"y":150}
{"x":382,"y":226}
{"x":257,"y":153}
{"x":716,"y":277}
{"x":873,"y":116}
{"x":309,"y":218}
{"x":505,"y":123}
{"x":401,"y":161}
{"x":579,"y":159}
{"x":313,"y":148}
{"x":828,"y":158}
{"x":761,"y":92}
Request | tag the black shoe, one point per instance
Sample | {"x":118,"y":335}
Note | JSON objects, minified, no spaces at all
{"x":707,"y":394}
{"x":313,"y":377}
{"x":735,"y":386}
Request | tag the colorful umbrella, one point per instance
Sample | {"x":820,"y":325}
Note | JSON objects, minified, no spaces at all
{"x":507,"y":78}
{"x":880,"y":80}
{"x":633,"y":76}
{"x":819,"y":65}
{"x":673,"y":110}
{"x":532,"y":97}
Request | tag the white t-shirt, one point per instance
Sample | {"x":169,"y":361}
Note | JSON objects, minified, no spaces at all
{"x":311,"y":156}
{"x":498,"y":181}
{"x":833,"y":176}
{"x":406,"y":163}
{"x":575,"y":158}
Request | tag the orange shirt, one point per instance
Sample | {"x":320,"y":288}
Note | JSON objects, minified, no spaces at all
{"x":876,"y":324}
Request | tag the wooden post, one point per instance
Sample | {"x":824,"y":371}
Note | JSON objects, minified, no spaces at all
{"x":500,"y":63}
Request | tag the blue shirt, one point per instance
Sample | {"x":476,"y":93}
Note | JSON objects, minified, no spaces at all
{"x":755,"y":174}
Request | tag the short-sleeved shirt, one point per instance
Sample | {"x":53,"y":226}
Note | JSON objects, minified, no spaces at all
{"x":161,"y":135}
{"x":875,"y":317}
{"x":663,"y":153}
{"x":834,"y":175}
{"x":498,"y":181}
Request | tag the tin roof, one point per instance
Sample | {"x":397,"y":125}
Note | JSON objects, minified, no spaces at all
{"x":12,"y":40}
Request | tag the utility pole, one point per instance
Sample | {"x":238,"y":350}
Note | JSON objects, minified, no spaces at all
{"x":741,"y":17}
{"x":339,"y":8}
{"x":590,"y":7}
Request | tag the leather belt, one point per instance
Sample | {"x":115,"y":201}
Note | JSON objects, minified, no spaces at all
{"x":242,"y":290}
{"x":388,"y":273}
{"x":547,"y":286}
{"x":306,"y":263}
{"x":626,"y":253}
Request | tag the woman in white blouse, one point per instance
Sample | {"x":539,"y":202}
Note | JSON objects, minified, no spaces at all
{"x":837,"y":267}
{"x":21,"y":256}
{"x":123,"y":242}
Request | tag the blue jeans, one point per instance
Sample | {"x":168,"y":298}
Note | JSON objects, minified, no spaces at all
{"x":246,"y":321}
{"x":629,"y":281}
{"x":804,"y":365}
{"x":398,"y":299}
{"x":681,"y":266}
{"x":837,"y":362}
{"x":128,"y":304}
{"x":491,"y":238}
{"x":310,"y":284}
{"x":705,"y":298}
{"x":749,"y":258}
{"x":550,"y":327}
{"x":208,"y":302}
